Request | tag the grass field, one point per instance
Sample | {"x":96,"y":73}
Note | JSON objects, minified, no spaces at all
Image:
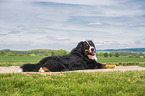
{"x":117,"y":83}
{"x":123,"y":61}
{"x":19,"y":60}
{"x":128,"y":83}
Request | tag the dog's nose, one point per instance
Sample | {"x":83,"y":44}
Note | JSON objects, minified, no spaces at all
{"x":92,"y":49}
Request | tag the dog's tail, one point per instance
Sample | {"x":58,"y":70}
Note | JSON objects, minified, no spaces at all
{"x":29,"y":68}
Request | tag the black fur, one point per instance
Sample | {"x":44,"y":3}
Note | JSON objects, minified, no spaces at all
{"x":75,"y":60}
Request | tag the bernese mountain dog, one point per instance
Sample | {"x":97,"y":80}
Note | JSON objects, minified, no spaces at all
{"x":83,"y":56}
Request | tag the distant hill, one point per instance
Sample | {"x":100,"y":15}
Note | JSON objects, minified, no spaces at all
{"x":41,"y":52}
{"x":35,"y":51}
{"x":134,"y":50}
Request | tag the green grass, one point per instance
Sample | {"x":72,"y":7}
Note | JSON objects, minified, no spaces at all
{"x":123,"y":61}
{"x":119,"y":61}
{"x":117,"y":83}
{"x":18,"y":60}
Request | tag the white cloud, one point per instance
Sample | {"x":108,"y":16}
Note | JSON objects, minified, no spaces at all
{"x":97,"y":23}
{"x":81,"y":2}
{"x":63,"y":23}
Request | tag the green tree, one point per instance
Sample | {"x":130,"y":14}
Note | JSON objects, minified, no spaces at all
{"x":10,"y":54}
{"x":140,"y":54}
{"x":46,"y":54}
{"x":15,"y":53}
{"x":6,"y":50}
{"x":100,"y":54}
{"x":2,"y":53}
{"x":61,"y":52}
{"x":105,"y":54}
{"x":52,"y":53}
{"x":130,"y":56}
{"x":116,"y":54}
{"x":110,"y":54}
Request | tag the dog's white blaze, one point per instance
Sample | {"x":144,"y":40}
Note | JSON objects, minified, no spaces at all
{"x":20,"y":70}
{"x":91,"y":48}
{"x":92,"y":57}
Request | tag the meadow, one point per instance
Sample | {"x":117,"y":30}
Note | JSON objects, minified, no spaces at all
{"x":119,"y":61}
{"x":18,"y":60}
{"x":128,"y":83}
{"x":116,"y":83}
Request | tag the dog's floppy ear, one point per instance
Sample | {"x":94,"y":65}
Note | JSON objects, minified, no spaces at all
{"x":80,"y":45}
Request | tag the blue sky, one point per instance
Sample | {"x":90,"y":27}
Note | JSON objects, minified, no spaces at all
{"x":61,"y":24}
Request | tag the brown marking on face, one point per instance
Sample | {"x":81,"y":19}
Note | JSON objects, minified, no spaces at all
{"x":87,"y":51}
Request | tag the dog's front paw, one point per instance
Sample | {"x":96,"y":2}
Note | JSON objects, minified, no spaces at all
{"x":110,"y":66}
{"x":44,"y":69}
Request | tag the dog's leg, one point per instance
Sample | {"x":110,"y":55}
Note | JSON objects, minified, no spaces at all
{"x":110,"y":66}
{"x":44,"y":69}
{"x":104,"y":66}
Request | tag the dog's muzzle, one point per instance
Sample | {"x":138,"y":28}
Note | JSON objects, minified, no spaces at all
{"x":92,"y":52}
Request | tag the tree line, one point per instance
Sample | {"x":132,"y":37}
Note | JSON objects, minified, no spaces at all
{"x":117,"y":54}
{"x":50,"y":52}
{"x":34,"y":52}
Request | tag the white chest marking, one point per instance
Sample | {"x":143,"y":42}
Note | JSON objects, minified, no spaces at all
{"x":92,"y":57}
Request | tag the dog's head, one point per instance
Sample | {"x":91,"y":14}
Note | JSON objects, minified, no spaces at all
{"x":87,"y":47}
